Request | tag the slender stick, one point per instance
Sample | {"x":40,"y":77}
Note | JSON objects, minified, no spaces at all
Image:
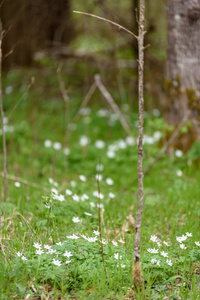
{"x":21,"y":98}
{"x":112,"y":103}
{"x":67,"y":102}
{"x":141,"y":124}
{"x":26,"y":182}
{"x":99,"y":214}
{"x":85,"y":100}
{"x":2,"y":119}
{"x":168,"y":143}
{"x":106,"y":20}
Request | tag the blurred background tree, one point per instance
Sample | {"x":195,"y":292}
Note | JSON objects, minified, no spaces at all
{"x":41,"y":29}
{"x":45,"y":33}
{"x":32,"y":26}
{"x":183,"y":63}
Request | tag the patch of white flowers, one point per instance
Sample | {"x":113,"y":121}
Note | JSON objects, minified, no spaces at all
{"x":182,"y":238}
{"x":154,"y":251}
{"x":179,"y":239}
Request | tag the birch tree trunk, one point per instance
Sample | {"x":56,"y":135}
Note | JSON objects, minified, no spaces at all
{"x":183,"y":60}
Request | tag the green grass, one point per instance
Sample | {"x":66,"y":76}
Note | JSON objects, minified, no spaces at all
{"x":171,"y":204}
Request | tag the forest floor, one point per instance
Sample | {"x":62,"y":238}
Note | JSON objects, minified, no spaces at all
{"x":49,"y":226}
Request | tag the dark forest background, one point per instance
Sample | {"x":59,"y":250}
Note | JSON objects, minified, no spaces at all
{"x":48,"y":30}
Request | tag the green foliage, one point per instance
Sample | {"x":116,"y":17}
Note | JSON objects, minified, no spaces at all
{"x":31,"y":215}
{"x":194,"y":153}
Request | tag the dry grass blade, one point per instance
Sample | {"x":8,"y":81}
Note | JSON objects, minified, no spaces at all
{"x":168,"y":143}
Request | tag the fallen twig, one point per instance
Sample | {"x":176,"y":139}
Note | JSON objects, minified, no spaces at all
{"x":112,"y":103}
{"x":21,"y":98}
{"x":66,"y":100}
{"x":26,"y":182}
{"x":168,"y":143}
{"x":85,"y":100}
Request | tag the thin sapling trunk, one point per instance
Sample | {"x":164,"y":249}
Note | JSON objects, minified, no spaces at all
{"x":137,"y":273}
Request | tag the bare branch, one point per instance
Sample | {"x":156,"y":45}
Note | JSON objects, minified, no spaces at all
{"x":66,"y":100}
{"x":85,"y":100}
{"x":6,"y":31}
{"x":106,"y":20}
{"x":7,"y":54}
{"x":168,"y":143}
{"x":62,"y":85}
{"x":112,"y":103}
{"x":21,"y":98}
{"x":26,"y":182}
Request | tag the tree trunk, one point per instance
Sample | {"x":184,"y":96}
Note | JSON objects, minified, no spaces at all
{"x":183,"y":61}
{"x":34,"y":25}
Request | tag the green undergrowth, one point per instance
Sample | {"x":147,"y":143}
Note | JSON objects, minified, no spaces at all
{"x":49,"y":233}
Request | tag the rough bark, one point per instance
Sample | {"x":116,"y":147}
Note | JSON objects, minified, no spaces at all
{"x":141,"y":34}
{"x":183,"y":60}
{"x":138,"y":280}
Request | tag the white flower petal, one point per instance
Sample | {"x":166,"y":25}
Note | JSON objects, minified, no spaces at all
{"x":82,"y":178}
{"x":47,"y":143}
